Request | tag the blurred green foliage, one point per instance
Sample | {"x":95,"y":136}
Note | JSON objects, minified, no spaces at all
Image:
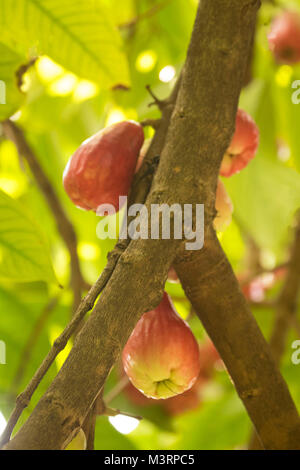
{"x":77,"y":86}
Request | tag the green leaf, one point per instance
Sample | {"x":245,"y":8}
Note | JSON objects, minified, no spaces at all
{"x":266,"y":196}
{"x":10,"y":96}
{"x":78,"y":35}
{"x":24,"y":255}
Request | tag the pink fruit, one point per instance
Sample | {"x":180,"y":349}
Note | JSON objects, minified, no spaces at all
{"x":103,"y":166}
{"x":224,"y":208}
{"x":161,"y":357}
{"x":243,"y":145}
{"x":284,"y":38}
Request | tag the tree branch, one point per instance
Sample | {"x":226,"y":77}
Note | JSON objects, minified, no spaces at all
{"x":31,"y":342}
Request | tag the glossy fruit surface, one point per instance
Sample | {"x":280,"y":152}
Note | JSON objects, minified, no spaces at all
{"x":161,"y":357}
{"x":243,"y":145}
{"x":284,"y":38}
{"x":103,"y":166}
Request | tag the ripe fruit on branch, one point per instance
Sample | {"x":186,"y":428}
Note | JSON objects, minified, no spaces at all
{"x":284,"y":38}
{"x":161,"y":357}
{"x":103,"y":166}
{"x":224,"y":207}
{"x":243,"y":145}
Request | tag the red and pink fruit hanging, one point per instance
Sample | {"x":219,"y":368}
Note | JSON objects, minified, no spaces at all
{"x":103,"y":166}
{"x":243,"y":145}
{"x":161,"y":357}
{"x":284,"y":38}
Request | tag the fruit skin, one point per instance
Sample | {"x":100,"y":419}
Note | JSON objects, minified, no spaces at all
{"x":102,"y":168}
{"x":243,"y":145}
{"x":284,"y":38}
{"x":161,"y":357}
{"x":224,"y":208}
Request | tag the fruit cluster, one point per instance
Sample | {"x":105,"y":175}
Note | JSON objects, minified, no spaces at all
{"x":162,"y":357}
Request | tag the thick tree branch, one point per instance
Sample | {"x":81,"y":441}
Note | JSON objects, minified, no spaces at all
{"x":200,"y":130}
{"x":31,"y":342}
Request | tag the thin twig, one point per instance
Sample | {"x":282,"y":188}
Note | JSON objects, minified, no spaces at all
{"x":31,"y":342}
{"x":116,"y":390}
{"x":157,"y":102}
{"x":143,"y":16}
{"x":116,"y":412}
{"x":23,"y":69}
{"x":154,"y":123}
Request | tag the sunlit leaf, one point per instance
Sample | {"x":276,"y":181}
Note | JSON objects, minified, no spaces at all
{"x":24,"y":254}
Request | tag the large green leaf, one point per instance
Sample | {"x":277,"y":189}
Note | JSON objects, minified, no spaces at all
{"x":24,"y":253}
{"x":78,"y":35}
{"x":10,"y":96}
